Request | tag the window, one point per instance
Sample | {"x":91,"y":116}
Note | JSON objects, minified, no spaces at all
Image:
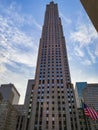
{"x":48,"y":81}
{"x":52,"y":108}
{"x":43,"y":81}
{"x":47,"y":115}
{"x":57,"y":80}
{"x":52,"y":80}
{"x":61,"y":81}
{"x":64,"y":115}
{"x":47,"y":91}
{"x":48,"y":97}
{"x":39,"y":81}
{"x":52,"y":91}
{"x":59,"y":108}
{"x":52,"y":86}
{"x":63,"y":108}
{"x":53,"y":115}
{"x":58,"y":97}
{"x":53,"y":102}
{"x":59,"y":115}
{"x":40,"y":122}
{"x":47,"y":122}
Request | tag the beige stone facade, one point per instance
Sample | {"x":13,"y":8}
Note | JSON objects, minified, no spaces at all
{"x":8,"y":116}
{"x":86,"y":123}
{"x":53,"y":103}
{"x":21,"y":117}
{"x":90,"y":95}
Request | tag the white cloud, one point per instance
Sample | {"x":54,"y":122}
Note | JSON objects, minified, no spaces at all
{"x":18,"y":49}
{"x":14,"y":15}
{"x":2,"y":68}
{"x":92,"y":55}
{"x":37,"y":25}
{"x":86,"y":62}
{"x":78,"y":51}
{"x":83,"y":39}
{"x":84,"y":34}
{"x":16,"y":44}
{"x":96,"y":50}
{"x":66,"y":19}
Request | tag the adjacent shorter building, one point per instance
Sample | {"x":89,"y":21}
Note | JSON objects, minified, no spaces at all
{"x":90,"y":95}
{"x":29,"y":103}
{"x":8,"y":112}
{"x":10,"y":93}
{"x":1,"y":97}
{"x":78,"y":92}
{"x":8,"y":116}
{"x":91,"y":7}
{"x":84,"y":122}
{"x":21,"y":117}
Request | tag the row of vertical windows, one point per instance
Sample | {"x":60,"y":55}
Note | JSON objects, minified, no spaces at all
{"x":59,"y":86}
{"x":57,"y":71}
{"x":48,"y":81}
{"x":53,"y":103}
{"x":42,"y":97}
{"x":45,"y":46}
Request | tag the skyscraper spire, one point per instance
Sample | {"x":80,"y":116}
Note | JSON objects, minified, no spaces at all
{"x":52,"y":1}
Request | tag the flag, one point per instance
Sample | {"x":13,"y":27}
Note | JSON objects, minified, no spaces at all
{"x":91,"y":112}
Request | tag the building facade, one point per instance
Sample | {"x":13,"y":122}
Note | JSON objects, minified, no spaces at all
{"x":90,"y":95}
{"x":28,"y":103}
{"x":1,"y":97}
{"x":21,"y":117}
{"x":85,"y":122}
{"x":11,"y":115}
{"x":91,"y":7}
{"x":8,"y":116}
{"x":53,"y":106}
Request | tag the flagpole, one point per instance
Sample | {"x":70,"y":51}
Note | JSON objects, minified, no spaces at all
{"x":85,"y":119}
{"x":95,"y":122}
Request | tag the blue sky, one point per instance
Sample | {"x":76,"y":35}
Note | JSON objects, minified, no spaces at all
{"x":20,"y":30}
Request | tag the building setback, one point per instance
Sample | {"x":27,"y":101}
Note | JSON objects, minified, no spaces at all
{"x":53,"y":103}
{"x":28,"y":104}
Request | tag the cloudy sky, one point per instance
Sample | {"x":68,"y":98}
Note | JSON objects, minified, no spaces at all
{"x":20,"y":30}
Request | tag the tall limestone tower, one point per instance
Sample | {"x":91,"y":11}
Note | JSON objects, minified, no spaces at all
{"x":53,"y":105}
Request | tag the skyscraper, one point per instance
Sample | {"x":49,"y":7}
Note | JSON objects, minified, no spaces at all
{"x":53,"y":105}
